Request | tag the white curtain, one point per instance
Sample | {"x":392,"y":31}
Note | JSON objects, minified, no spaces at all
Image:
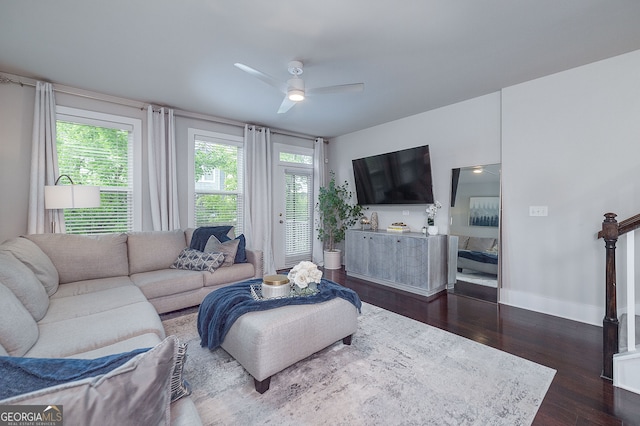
{"x":258,"y":186}
{"x":318,"y":181}
{"x":44,"y":163}
{"x":163,"y":186}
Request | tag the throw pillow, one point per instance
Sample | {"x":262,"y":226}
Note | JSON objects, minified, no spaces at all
{"x":135,"y":393}
{"x":30,"y":254}
{"x":23,"y":375}
{"x":198,"y":261}
{"x":18,"y":330}
{"x":201,"y":235}
{"x":229,"y":248}
{"x":24,"y":284}
{"x":241,"y":254}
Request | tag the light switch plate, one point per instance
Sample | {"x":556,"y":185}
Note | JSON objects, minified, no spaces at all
{"x":538,"y":210}
{"x":405,"y":212}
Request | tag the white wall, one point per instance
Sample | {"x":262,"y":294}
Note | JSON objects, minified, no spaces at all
{"x":460,"y":135}
{"x":571,"y":141}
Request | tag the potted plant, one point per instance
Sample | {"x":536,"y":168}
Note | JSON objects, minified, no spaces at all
{"x":335,"y":215}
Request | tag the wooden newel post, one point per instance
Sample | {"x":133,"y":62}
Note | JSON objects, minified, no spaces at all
{"x":610,"y":325}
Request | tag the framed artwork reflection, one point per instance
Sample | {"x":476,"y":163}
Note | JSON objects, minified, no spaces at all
{"x":484,"y":211}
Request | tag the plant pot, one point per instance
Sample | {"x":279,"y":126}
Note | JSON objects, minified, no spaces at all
{"x":432,"y":230}
{"x":332,"y":259}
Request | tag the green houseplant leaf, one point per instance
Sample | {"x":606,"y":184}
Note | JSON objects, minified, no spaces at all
{"x":335,"y":212}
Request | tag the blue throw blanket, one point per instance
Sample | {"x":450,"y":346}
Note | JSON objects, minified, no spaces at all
{"x":479,"y":256}
{"x":222,"y":307}
{"x":21,"y":375}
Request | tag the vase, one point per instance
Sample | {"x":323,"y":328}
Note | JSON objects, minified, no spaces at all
{"x":374,"y":221}
{"x":332,"y":259}
{"x":432,"y":230}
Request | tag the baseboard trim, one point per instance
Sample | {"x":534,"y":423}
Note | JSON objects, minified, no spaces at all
{"x":588,"y":314}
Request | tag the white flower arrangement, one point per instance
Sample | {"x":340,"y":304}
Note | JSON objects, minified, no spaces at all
{"x":305,"y":273}
{"x":432,"y":210}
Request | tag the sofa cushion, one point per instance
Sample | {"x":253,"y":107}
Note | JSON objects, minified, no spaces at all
{"x":72,"y":336}
{"x":232,"y":274}
{"x":150,"y":251}
{"x":77,"y":288}
{"x":24,"y":284}
{"x":27,"y":252}
{"x":463,"y":240}
{"x":83,"y":305}
{"x":480,"y":243}
{"x":18,"y":329}
{"x":167,"y":281}
{"x":135,"y":393}
{"x":195,"y":260}
{"x":228,"y":248}
{"x":85,"y":257}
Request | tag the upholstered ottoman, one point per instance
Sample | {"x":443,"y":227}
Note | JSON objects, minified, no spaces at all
{"x":266,"y":342}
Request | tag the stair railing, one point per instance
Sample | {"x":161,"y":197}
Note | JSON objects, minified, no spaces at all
{"x":611,"y":231}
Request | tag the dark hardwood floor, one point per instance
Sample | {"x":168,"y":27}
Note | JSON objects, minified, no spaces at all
{"x":577,"y":395}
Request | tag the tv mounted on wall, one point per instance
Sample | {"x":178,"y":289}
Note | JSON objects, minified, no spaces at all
{"x":400,"y":177}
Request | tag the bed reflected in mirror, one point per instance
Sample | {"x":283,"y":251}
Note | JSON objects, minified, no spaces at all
{"x":475,"y":220}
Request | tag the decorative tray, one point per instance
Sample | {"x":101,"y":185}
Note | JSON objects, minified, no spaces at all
{"x":256,"y":293}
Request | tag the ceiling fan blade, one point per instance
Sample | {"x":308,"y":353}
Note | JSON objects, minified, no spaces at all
{"x":341,"y":88}
{"x":262,"y":76}
{"x":286,"y":105}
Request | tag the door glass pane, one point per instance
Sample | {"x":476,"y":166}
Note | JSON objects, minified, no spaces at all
{"x":298,"y":216}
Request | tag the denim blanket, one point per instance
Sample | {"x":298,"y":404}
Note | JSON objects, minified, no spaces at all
{"x":222,"y":307}
{"x":479,"y":256}
{"x":21,"y":375}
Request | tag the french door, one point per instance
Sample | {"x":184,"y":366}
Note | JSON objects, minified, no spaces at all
{"x":293,"y":218}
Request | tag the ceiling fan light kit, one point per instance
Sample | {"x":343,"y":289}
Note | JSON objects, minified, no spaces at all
{"x":294,"y":89}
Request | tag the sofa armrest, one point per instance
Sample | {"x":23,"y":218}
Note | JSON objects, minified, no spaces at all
{"x":255,"y":257}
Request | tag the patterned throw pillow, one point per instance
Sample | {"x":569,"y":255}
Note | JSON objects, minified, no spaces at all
{"x":229,"y":248}
{"x":198,"y":261}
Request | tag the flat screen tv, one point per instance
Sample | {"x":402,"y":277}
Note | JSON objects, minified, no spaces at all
{"x":400,"y":177}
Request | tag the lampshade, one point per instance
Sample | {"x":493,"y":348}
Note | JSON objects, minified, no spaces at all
{"x":71,"y":196}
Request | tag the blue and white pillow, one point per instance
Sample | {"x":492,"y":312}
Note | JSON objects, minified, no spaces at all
{"x":196,"y":260}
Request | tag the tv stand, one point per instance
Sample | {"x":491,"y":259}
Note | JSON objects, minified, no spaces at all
{"x":409,"y":261}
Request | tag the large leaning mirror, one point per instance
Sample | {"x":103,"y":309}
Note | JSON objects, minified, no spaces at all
{"x":475,"y":220}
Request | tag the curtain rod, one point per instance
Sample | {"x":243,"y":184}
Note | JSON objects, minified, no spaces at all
{"x":26,"y":81}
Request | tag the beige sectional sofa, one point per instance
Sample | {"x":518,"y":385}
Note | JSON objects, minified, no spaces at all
{"x":70,"y":296}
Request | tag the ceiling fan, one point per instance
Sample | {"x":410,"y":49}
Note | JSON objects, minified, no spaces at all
{"x":294,"y":89}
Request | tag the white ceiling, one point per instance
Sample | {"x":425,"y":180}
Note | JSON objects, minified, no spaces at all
{"x":412,"y":55}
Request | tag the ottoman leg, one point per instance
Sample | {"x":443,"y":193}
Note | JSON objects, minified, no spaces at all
{"x":347,"y":340}
{"x":262,"y":386}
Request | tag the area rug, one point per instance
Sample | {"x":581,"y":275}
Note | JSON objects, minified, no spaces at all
{"x":397,"y":371}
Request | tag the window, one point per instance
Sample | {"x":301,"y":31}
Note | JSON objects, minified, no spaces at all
{"x":217,"y":174}
{"x":102,"y":150}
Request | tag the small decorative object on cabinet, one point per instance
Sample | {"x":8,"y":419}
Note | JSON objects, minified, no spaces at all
{"x":432,"y":230}
{"x":374,"y":221}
